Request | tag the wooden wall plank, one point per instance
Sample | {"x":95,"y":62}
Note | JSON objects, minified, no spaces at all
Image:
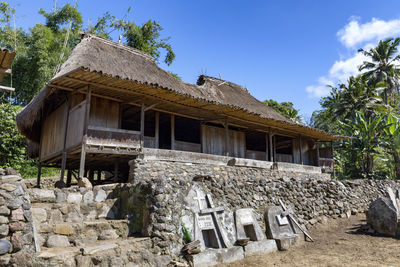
{"x":53,"y":132}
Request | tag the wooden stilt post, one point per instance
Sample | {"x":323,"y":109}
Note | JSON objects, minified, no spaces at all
{"x":85,"y":128}
{"x":226,"y":138}
{"x":39,"y":175}
{"x":99,"y":175}
{"x":274,"y":147}
{"x":301,"y":151}
{"x":293,"y":150}
{"x":271,"y":152}
{"x":142,"y":111}
{"x":69,"y":178}
{"x":317,"y":154}
{"x":63,"y":165}
{"x":157,"y":130}
{"x":172,"y":132}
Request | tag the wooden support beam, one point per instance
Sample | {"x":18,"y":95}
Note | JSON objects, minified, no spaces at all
{"x":142,"y":118}
{"x":6,"y":88}
{"x":82,"y":161}
{"x":69,"y":178}
{"x":301,"y":150}
{"x":39,"y":175}
{"x":226,"y":137}
{"x":99,"y":175}
{"x":274,"y":147}
{"x":317,"y":144}
{"x":271,"y":151}
{"x":293,"y":151}
{"x":63,"y":164}
{"x":172,"y":132}
{"x":157,"y":129}
{"x":85,"y":129}
{"x":150,"y":107}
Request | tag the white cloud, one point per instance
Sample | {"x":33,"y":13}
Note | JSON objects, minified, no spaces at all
{"x":321,"y":89}
{"x":355,"y":33}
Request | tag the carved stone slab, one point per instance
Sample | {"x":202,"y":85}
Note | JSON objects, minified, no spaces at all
{"x":276,"y":228}
{"x":247,"y":225}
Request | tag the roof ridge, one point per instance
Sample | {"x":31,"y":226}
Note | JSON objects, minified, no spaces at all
{"x":222,"y":82}
{"x":130,"y":49}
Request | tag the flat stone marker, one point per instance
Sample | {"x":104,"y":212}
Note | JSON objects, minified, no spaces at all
{"x":207,"y":227}
{"x":274,"y":229}
{"x":247,"y":225}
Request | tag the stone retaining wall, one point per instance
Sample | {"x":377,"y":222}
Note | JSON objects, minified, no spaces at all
{"x":314,"y":200}
{"x":16,"y":230}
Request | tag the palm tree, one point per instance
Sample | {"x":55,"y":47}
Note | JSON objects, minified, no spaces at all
{"x":383,"y":66}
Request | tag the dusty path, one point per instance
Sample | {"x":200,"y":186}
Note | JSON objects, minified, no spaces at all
{"x":338,"y":243}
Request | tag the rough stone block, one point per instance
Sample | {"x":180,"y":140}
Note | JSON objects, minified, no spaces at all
{"x":4,"y":229}
{"x":42,"y":195}
{"x":17,"y":215}
{"x":211,"y":257}
{"x":100,"y":196}
{"x":63,"y":229}
{"x":4,"y":210}
{"x":16,"y":226}
{"x":60,"y":197}
{"x":39,"y":215}
{"x":15,"y":203}
{"x":260,"y":247}
{"x":57,"y":241}
{"x":74,"y":198}
{"x":5,"y":246}
{"x":96,"y":249}
{"x":88,"y":197}
{"x":8,"y":187}
{"x":3,"y":219}
{"x":16,"y":241}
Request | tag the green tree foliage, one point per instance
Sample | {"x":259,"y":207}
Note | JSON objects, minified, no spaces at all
{"x":286,"y":109}
{"x":42,"y":49}
{"x":12,"y":143}
{"x":366,"y":108}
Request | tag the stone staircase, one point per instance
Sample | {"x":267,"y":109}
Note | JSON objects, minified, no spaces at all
{"x":81,"y":227}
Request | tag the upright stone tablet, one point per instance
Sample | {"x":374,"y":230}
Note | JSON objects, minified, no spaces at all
{"x":247,"y":226}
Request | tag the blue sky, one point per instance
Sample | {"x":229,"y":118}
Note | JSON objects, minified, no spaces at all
{"x":281,"y":50}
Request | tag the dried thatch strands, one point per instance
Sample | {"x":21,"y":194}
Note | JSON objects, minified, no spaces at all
{"x":127,"y":75}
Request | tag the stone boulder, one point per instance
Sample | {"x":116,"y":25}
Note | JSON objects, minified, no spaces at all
{"x":382,"y":216}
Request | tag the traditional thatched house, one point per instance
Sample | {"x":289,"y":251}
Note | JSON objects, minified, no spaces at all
{"x":6,"y":59}
{"x":110,"y":103}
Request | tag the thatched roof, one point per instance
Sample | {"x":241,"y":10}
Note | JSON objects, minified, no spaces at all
{"x":123,"y":73}
{"x":6,"y":59}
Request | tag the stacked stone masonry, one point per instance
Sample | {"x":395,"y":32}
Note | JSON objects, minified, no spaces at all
{"x":141,"y":222}
{"x":314,"y":199}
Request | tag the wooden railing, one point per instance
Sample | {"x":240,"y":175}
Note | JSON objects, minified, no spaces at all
{"x":113,"y":141}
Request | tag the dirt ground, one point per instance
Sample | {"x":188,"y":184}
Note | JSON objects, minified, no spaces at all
{"x":341,"y":242}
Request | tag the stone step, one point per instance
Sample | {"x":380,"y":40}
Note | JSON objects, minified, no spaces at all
{"x":66,"y":234}
{"x":104,"y":250}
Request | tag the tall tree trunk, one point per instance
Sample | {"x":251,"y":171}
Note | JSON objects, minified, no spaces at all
{"x":396,"y":158}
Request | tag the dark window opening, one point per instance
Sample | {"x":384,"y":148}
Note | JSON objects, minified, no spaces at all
{"x":256,"y":141}
{"x":187,"y":130}
{"x":130,"y":118}
{"x":284,"y":145}
{"x":165,"y":131}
